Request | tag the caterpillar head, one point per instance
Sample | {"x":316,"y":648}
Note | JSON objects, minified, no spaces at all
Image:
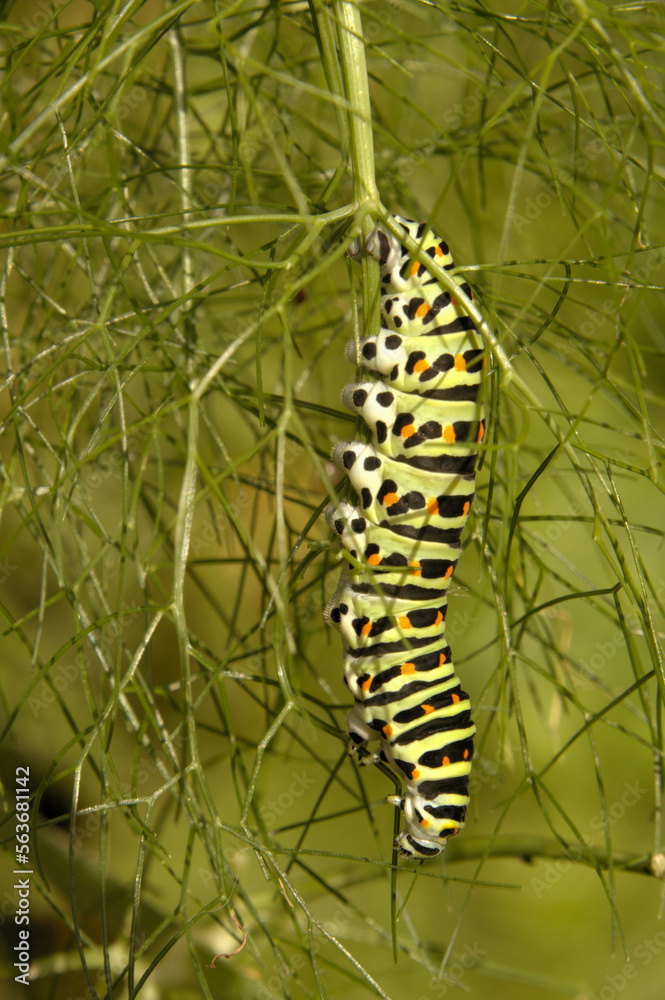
{"x":417,"y":850}
{"x":415,"y":841}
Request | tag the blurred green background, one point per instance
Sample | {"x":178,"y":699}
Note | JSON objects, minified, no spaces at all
{"x":178,"y":193}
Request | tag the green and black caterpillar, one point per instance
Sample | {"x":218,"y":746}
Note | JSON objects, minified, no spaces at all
{"x":415,"y":483}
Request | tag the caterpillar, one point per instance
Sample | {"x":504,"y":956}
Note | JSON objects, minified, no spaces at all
{"x":415,"y":482}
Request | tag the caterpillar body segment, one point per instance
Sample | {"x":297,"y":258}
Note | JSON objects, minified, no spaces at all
{"x":400,"y":423}
{"x":410,"y":364}
{"x":415,"y":482}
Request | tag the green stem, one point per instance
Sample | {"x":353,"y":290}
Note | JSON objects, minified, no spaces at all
{"x":365,"y":192}
{"x":356,"y":85}
{"x":529,"y":848}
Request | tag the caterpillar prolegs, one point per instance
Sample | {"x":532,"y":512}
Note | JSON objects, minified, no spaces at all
{"x":415,"y":482}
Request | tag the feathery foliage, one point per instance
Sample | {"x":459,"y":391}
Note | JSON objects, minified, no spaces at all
{"x":180,"y":184}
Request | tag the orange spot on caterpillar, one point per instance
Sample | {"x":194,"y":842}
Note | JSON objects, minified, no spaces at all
{"x":389,"y":499}
{"x":415,"y":774}
{"x":425,"y":823}
{"x":422,"y":310}
{"x":445,"y":762}
{"x":387,"y":730}
{"x":448,"y":573}
{"x":366,"y":684}
{"x":415,"y":267}
{"x":408,"y":668}
{"x":438,"y":252}
{"x":404,"y":622}
{"x":455,"y":698}
{"x":432,"y":506}
{"x":366,"y":629}
{"x":374,"y":559}
{"x":442,"y":659}
{"x":448,"y":434}
{"x":460,"y":363}
{"x":408,"y":431}
{"x":421,"y":366}
{"x":466,"y":509}
{"x":481,"y":433}
{"x":439,"y":618}
{"x":427,"y":709}
{"x":416,"y":565}
{"x":466,"y":755}
{"x":454,"y":302}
